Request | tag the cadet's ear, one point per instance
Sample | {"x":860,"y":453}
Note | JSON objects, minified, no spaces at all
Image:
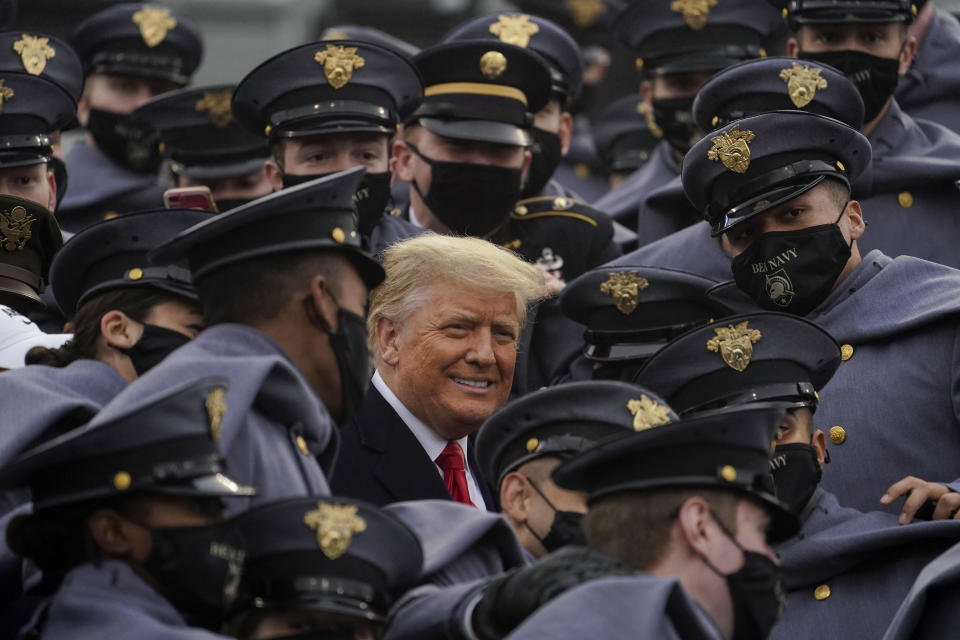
{"x":693,"y":519}
{"x":527,"y":159}
{"x":387,"y":335}
{"x":111,"y":533}
{"x":513,"y":497}
{"x":819,"y":442}
{"x":793,"y":47}
{"x":52,"y":184}
{"x":646,"y":94}
{"x":907,"y":52}
{"x":401,"y":160}
{"x":322,"y":303}
{"x":855,"y":219}
{"x":566,"y":132}
{"x":120,"y":330}
{"x":274,"y":174}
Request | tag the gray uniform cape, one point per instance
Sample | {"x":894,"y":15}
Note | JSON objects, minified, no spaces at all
{"x":111,"y":601}
{"x":638,"y":606}
{"x":463,"y":548}
{"x":271,"y":412}
{"x":931,"y":88}
{"x":390,"y":230}
{"x":929,"y":611}
{"x":861,"y":565}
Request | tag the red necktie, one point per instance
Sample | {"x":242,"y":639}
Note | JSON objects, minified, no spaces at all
{"x":454,"y":472}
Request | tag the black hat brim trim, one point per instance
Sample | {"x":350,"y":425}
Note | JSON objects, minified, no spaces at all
{"x":479,"y":131}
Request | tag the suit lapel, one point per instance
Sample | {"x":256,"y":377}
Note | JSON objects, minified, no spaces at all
{"x":404,"y":469}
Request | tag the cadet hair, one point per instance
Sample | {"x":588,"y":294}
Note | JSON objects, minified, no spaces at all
{"x":257,"y":290}
{"x":636,"y":526}
{"x":473,"y":265}
{"x":135,"y":302}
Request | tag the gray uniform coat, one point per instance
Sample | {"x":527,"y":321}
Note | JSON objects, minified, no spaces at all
{"x":931,"y":88}
{"x":846,"y":571}
{"x":111,"y":601}
{"x":276,"y":435}
{"x":930,"y":609}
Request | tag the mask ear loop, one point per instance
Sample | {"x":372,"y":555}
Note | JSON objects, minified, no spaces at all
{"x":550,"y":504}
{"x":315,"y":317}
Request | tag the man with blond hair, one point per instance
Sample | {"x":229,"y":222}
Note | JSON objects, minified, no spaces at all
{"x":444,"y":339}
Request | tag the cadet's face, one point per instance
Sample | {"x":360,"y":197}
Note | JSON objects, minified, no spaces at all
{"x":33,"y":183}
{"x":336,"y":152}
{"x":453,"y":150}
{"x":120,"y":94}
{"x":678,"y":85}
{"x":796,"y":427}
{"x":549,"y":117}
{"x":752,"y":525}
{"x":280,"y":624}
{"x":455,"y":357}
{"x":248,"y":187}
{"x":882,"y":40}
{"x":170,"y":511}
{"x":815,"y":207}
{"x":177,"y":315}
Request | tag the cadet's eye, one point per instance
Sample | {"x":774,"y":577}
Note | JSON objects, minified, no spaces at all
{"x":25,"y":181}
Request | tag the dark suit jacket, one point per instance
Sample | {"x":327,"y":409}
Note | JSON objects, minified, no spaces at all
{"x":381,"y":461}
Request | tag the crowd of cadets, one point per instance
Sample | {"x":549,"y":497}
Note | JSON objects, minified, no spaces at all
{"x":717,"y":391}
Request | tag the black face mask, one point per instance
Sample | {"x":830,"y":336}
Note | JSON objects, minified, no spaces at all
{"x":320,"y":634}
{"x":371,"y":198}
{"x":225,"y":204}
{"x":198,"y":570}
{"x":470,"y":199}
{"x":756,"y":591}
{"x":876,"y":78}
{"x":796,"y":473}
{"x":675,"y":117}
{"x":793,"y":271}
{"x":349,"y":345}
{"x":155,"y":344}
{"x":567,"y":527}
{"x":546,"y":156}
{"x":127,"y":143}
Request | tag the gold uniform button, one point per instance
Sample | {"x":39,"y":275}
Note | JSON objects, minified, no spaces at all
{"x":532,"y":444}
{"x":639,"y":64}
{"x":122,"y":480}
{"x":905,"y":198}
{"x":110,"y":215}
{"x":821,"y":593}
{"x":838,"y":435}
{"x":338,"y":235}
{"x":135,"y":274}
{"x":846,"y":352}
{"x":728,"y":473}
{"x":520,"y":210}
{"x":302,"y":445}
{"x":581,"y":170}
{"x":840,"y":166}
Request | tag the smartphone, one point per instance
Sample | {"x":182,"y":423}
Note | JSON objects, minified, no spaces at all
{"x":189,"y":198}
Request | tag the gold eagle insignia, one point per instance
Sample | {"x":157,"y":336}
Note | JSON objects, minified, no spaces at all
{"x":216,"y":405}
{"x":34,"y":52}
{"x":585,"y":12}
{"x":695,"y":12}
{"x":735,"y":344}
{"x":5,"y":94}
{"x":335,"y":526}
{"x":802,"y":83}
{"x":154,"y":23}
{"x":515,"y":30}
{"x":648,"y":413}
{"x":15,"y":228}
{"x":217,"y":106}
{"x":625,"y":289}
{"x":732,"y":148}
{"x":339,"y":63}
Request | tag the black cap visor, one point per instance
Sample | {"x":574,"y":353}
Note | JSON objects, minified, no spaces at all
{"x":479,"y":131}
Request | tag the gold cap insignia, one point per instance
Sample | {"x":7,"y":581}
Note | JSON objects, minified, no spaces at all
{"x":335,"y":525}
{"x":154,"y":23}
{"x":5,"y":94}
{"x":216,"y":404}
{"x":585,"y":12}
{"x":732,"y":149}
{"x":514,"y":30}
{"x":122,"y":480}
{"x":561,"y":202}
{"x":34,"y":52}
{"x":735,"y":344}
{"x":338,"y":63}
{"x":532,"y":445}
{"x":217,"y":106}
{"x":695,"y":12}
{"x":652,"y":125}
{"x":624,"y":288}
{"x":728,"y":473}
{"x":337,"y":34}
{"x":15,"y":227}
{"x":802,"y":83}
{"x":648,"y":413}
{"x":493,"y":64}
{"x":135,"y":274}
